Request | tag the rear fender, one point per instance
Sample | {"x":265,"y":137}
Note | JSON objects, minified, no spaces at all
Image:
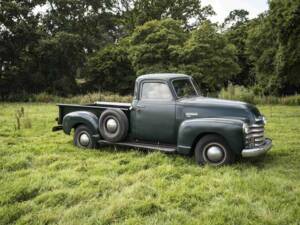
{"x":73,"y":119}
{"x":191,"y":130}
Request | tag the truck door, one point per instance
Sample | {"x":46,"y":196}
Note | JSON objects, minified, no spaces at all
{"x":155,"y":113}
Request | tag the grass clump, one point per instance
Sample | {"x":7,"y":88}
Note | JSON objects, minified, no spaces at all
{"x":44,"y":179}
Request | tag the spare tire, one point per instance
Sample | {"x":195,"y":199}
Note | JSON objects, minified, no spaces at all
{"x":113,"y":125}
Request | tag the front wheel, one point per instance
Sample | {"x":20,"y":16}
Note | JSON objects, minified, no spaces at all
{"x":213,"y":150}
{"x":83,"y":137}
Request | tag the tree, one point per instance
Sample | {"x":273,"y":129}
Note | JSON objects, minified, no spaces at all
{"x":261,"y":46}
{"x":137,"y":12}
{"x":285,"y":17}
{"x":153,"y":45}
{"x":209,"y":58}
{"x":237,"y":34}
{"x":92,"y":20}
{"x":56,"y":62}
{"x":273,"y":46}
{"x":236,"y":17}
{"x":110,"y":70}
{"x":163,"y":46}
{"x":19,"y":33}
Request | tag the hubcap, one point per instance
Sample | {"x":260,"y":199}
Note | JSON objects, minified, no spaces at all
{"x":84,"y":139}
{"x":111,"y":125}
{"x":215,"y":153}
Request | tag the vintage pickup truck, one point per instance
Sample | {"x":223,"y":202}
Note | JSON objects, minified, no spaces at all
{"x":169,"y":114}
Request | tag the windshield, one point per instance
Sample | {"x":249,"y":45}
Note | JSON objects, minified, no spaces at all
{"x":184,"y":88}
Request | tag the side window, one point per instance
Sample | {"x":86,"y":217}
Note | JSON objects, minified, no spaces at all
{"x":155,"y":91}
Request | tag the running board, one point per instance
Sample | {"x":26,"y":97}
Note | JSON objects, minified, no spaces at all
{"x":163,"y":148}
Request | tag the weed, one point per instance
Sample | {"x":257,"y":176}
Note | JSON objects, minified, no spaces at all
{"x":22,"y":118}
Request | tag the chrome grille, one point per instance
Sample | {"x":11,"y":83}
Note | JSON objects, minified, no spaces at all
{"x":255,"y":135}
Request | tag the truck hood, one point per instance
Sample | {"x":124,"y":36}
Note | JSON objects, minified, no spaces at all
{"x":203,"y":107}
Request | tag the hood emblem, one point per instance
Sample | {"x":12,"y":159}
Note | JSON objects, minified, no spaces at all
{"x":191,"y":114}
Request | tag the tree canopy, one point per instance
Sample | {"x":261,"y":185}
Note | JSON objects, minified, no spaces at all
{"x":209,"y":57}
{"x":153,"y":46}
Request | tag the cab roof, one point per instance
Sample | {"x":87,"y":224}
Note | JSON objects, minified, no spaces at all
{"x":162,"y":76}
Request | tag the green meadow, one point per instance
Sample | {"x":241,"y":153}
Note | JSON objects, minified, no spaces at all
{"x":44,"y":179}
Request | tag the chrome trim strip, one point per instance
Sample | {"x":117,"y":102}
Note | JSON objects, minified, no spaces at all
{"x":256,"y":130}
{"x":182,"y":146}
{"x":255,"y":135}
{"x":253,"y":152}
{"x":256,"y":126}
{"x":260,"y":139}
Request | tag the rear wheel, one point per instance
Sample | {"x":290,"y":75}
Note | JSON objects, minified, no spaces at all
{"x":83,"y":137}
{"x":213,"y":150}
{"x":113,"y":125}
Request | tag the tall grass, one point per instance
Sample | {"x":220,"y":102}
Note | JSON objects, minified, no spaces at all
{"x":240,"y":93}
{"x":232,"y":92}
{"x":81,"y":99}
{"x":44,"y":179}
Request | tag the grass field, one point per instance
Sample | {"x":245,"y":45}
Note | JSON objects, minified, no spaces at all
{"x":45,"y":180}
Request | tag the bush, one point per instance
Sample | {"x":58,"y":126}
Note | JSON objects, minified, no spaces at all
{"x":43,"y":97}
{"x":240,"y":93}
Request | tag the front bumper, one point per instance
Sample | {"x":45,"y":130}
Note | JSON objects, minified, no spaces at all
{"x":253,"y":152}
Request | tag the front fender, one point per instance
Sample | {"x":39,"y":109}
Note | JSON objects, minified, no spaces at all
{"x":73,"y":119}
{"x":191,"y":130}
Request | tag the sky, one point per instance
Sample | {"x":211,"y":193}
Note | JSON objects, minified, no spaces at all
{"x":223,"y":7}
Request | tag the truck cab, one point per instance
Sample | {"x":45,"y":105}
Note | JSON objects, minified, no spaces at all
{"x":168,"y":113}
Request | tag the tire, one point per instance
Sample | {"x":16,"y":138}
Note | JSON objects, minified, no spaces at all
{"x":213,"y":150}
{"x":113,"y":125}
{"x":83,"y":137}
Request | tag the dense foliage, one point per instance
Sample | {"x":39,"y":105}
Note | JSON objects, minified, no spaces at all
{"x":72,"y":46}
{"x":154,"y":46}
{"x":110,"y":70}
{"x":209,"y":57}
{"x":273,"y":46}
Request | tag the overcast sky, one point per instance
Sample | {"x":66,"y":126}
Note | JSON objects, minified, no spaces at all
{"x":223,"y":7}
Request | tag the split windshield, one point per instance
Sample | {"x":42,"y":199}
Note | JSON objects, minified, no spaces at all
{"x":185,"y":88}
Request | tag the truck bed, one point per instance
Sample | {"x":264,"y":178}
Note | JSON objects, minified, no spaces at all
{"x":97,"y":108}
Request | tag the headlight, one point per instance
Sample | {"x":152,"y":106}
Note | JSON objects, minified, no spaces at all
{"x":245,"y":128}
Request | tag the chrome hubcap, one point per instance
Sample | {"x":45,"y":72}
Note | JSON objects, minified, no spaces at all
{"x":84,"y":139}
{"x":111,"y":125}
{"x":215,"y":153}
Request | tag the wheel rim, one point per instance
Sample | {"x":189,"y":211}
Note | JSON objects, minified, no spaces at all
{"x":214,"y":153}
{"x":84,"y":139}
{"x":111,"y":125}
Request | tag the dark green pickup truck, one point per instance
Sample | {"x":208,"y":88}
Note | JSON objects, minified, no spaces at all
{"x":168,"y":114}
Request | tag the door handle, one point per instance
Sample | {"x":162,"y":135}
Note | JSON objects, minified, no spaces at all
{"x":139,"y":107}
